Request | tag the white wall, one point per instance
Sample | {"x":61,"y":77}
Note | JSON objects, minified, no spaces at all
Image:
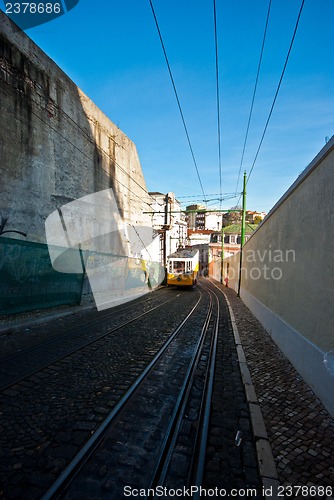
{"x":288,"y":270}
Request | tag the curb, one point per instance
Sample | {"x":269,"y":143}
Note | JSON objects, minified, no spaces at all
{"x":267,"y":466}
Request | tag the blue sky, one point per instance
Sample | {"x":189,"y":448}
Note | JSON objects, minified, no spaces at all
{"x":111,"y":50}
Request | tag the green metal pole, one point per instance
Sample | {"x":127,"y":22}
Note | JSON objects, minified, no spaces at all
{"x":222,"y":256}
{"x":243,"y":224}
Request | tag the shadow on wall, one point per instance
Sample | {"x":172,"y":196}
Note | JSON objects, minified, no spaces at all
{"x":56,"y":147}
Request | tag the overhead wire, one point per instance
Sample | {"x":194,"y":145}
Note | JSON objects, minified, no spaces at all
{"x":212,"y":202}
{"x":217,"y":97}
{"x":277,"y":90}
{"x":198,"y":195}
{"x":89,"y":157}
{"x":177,"y":98}
{"x":90,"y":140}
{"x":254,"y":93}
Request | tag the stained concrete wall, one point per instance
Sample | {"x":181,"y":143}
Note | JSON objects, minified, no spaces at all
{"x":56,"y":145}
{"x":288,"y":270}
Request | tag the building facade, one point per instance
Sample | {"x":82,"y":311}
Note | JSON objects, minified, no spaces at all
{"x":169,"y":222}
{"x":209,"y":244}
{"x":254,"y":217}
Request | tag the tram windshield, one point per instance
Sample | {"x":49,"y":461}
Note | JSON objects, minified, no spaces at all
{"x":180,"y":266}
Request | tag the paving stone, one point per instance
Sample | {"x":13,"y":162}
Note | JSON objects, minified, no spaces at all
{"x":300,"y":431}
{"x":180,"y":465}
{"x":299,"y":427}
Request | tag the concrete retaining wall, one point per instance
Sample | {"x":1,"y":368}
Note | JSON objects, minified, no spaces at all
{"x":287,"y":274}
{"x":56,"y":145}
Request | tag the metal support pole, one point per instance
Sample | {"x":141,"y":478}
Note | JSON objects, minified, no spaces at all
{"x":165,"y":238}
{"x":243,"y":224}
{"x":165,"y":231}
{"x":222,"y":256}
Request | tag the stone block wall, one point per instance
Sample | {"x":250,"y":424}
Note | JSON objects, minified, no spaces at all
{"x":55,"y":144}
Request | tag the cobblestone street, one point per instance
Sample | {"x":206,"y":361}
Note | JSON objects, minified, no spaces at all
{"x":300,"y":430}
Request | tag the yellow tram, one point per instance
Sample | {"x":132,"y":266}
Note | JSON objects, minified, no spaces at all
{"x":182,"y":267}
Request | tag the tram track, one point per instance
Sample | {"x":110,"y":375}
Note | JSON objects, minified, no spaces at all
{"x":191,"y":428}
{"x":173,"y":417}
{"x":49,"y":416}
{"x":30,"y":335}
{"x":18,"y":366}
{"x":168,"y":421}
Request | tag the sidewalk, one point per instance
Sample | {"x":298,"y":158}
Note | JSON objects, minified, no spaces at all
{"x":300,"y":430}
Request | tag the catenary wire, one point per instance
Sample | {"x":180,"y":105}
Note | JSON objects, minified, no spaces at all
{"x":188,"y":197}
{"x":211,"y":201}
{"x":177,"y":97}
{"x":254,"y":93}
{"x":277,"y":90}
{"x":66,"y":139}
{"x":217,"y":97}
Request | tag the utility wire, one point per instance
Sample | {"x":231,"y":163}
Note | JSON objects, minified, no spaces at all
{"x":217,"y":97}
{"x":278,"y":88}
{"x":198,"y":195}
{"x":90,"y":140}
{"x":254,"y":93}
{"x":177,"y":97}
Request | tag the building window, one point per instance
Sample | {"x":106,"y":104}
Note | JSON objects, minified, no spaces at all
{"x":232,"y":239}
{"x":216,"y":238}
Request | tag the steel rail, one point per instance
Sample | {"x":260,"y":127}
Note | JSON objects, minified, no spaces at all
{"x":71,"y":350}
{"x":172,"y":433}
{"x":68,"y":332}
{"x":196,"y":470}
{"x":205,"y":417}
{"x":88,"y":449}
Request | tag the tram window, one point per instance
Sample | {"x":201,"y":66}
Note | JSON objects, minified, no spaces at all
{"x":188,"y":266}
{"x":179,"y":266}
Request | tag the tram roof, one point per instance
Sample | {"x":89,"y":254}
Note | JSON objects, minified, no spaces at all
{"x":184,"y":253}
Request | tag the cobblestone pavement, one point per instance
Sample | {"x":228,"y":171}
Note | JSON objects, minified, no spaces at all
{"x":46,"y":418}
{"x":231,"y":465}
{"x":300,"y":430}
